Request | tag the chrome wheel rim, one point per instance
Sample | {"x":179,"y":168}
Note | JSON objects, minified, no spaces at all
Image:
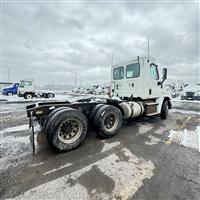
{"x":111,"y":122}
{"x":70,"y":130}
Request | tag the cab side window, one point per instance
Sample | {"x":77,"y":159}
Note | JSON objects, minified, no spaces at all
{"x":118,"y":73}
{"x":29,"y":83}
{"x":133,"y":70}
{"x":154,"y":72}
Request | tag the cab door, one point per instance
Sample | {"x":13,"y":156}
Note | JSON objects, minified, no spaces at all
{"x":133,"y":80}
{"x":118,"y":81}
{"x":154,"y":88}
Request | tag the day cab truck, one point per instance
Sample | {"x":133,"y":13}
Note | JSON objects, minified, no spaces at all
{"x":28,"y":90}
{"x":136,"y":91}
{"x":10,"y":91}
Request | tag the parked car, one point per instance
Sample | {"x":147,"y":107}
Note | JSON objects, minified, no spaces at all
{"x":76,"y":90}
{"x":102,"y":90}
{"x":84,"y":90}
{"x":9,"y":91}
{"x":191,"y":92}
{"x":90,"y":89}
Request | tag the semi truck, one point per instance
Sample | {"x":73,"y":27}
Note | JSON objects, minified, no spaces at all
{"x":28,"y":90}
{"x":10,"y":91}
{"x":137,"y":90}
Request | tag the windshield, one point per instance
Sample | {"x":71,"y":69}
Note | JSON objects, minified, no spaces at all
{"x":25,"y":83}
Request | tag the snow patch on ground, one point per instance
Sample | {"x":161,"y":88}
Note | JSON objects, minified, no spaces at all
{"x":178,"y":100}
{"x":36,"y":164}
{"x":15,"y":129}
{"x":13,"y":147}
{"x":15,"y":98}
{"x":10,"y":111}
{"x":187,"y":112}
{"x":144,"y":128}
{"x":61,"y":167}
{"x":153,"y":140}
{"x":187,"y":138}
{"x":108,"y":146}
{"x":160,"y":130}
{"x":126,"y":177}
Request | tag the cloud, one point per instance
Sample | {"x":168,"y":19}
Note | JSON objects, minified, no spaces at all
{"x":50,"y":41}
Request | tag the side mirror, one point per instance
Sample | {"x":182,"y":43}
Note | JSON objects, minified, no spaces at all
{"x":164,"y":74}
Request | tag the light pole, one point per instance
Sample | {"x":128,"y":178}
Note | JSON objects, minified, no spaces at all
{"x":75,"y":79}
{"x":112,"y":57}
{"x":8,"y":74}
{"x":81,"y":80}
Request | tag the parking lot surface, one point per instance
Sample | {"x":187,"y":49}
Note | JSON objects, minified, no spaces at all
{"x":141,"y":162}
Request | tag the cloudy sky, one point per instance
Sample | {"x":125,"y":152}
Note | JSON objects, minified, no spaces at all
{"x":50,"y":41}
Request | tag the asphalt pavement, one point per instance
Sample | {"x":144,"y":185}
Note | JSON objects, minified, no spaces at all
{"x":138,"y":163}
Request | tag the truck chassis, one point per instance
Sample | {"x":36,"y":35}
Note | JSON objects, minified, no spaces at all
{"x":66,"y":123}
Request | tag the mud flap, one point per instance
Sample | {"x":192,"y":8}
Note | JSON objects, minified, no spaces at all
{"x":32,"y":136}
{"x":41,"y":138}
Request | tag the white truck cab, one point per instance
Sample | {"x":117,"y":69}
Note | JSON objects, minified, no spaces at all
{"x":27,"y":86}
{"x":26,"y":89}
{"x":138,"y":78}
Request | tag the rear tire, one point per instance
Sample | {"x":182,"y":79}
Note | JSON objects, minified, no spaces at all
{"x":164,"y":110}
{"x":49,"y":120}
{"x":93,"y":113}
{"x":68,"y":129}
{"x":108,"y":121}
{"x":46,"y":122}
{"x":28,"y":96}
{"x":50,"y":95}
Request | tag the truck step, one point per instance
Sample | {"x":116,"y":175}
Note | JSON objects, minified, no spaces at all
{"x":151,"y":114}
{"x":150,"y":104}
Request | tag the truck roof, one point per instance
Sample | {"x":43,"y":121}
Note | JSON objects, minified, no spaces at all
{"x":27,"y":80}
{"x":134,"y":59}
